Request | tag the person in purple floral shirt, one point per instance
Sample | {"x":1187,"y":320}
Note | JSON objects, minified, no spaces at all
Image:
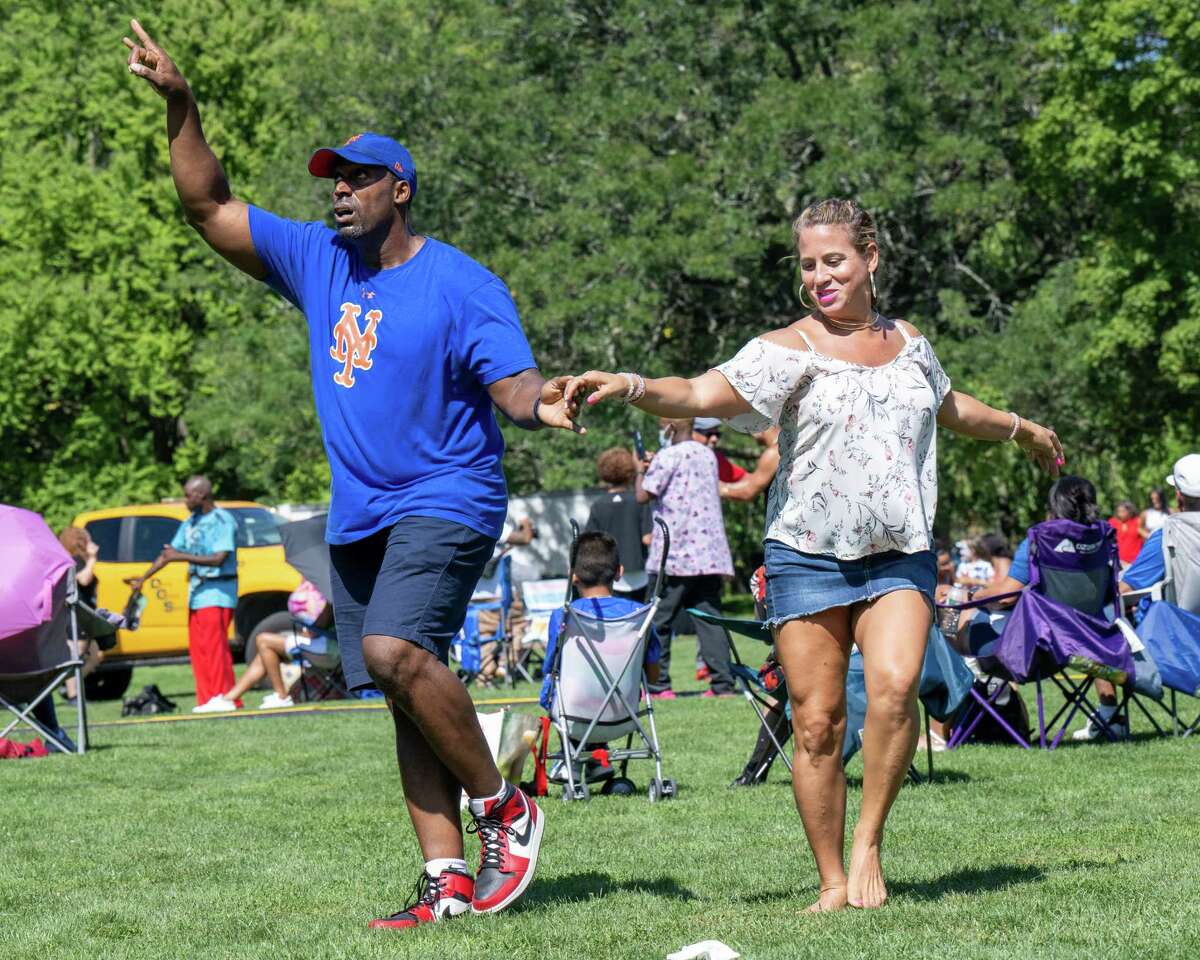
{"x":682,"y":485}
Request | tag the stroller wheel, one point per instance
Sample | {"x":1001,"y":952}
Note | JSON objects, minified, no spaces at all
{"x":619,"y":787}
{"x":581,"y":792}
{"x":668,"y":789}
{"x":654,"y":792}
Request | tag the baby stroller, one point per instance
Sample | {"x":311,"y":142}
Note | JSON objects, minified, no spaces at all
{"x":599,"y":692}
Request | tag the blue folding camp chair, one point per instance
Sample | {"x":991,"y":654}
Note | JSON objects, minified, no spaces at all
{"x":1170,"y":627}
{"x":493,"y":592}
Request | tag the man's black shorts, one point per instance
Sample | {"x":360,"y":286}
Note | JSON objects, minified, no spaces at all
{"x":412,"y":580}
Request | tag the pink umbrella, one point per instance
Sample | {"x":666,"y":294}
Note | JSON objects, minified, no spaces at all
{"x":32,"y":563}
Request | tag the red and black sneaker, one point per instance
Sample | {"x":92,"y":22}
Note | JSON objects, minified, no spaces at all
{"x":510,"y":833}
{"x":436,"y":898}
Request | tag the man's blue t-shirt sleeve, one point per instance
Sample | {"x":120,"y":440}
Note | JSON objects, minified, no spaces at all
{"x":491,"y":341}
{"x":284,"y":247}
{"x":1019,"y":568}
{"x":1149,"y":567}
{"x":179,"y":541}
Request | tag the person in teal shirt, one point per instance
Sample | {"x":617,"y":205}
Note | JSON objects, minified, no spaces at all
{"x":206,"y":542}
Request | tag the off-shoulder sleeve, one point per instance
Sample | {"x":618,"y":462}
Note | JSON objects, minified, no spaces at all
{"x":938,"y":379}
{"x":765,"y":374}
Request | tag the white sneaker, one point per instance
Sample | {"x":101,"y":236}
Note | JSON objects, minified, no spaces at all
{"x":1093,"y":731}
{"x":272,"y":701}
{"x":217,"y":704}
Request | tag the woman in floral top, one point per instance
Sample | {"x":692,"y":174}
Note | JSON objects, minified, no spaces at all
{"x":850,"y":513}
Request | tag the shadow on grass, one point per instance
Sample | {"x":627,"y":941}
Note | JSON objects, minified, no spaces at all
{"x":972,"y":880}
{"x":975,"y":880}
{"x":940,"y":776}
{"x":579,"y":887}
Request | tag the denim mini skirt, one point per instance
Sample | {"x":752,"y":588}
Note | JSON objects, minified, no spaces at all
{"x":801,"y":584}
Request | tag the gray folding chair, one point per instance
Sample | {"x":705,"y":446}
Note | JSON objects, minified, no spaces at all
{"x":36,"y":662}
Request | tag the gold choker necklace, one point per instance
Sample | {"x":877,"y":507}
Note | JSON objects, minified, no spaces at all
{"x":849,"y":327}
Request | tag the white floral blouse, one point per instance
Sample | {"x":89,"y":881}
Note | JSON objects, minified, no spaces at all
{"x":857,"y":447}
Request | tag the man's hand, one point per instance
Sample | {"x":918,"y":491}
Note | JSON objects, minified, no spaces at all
{"x":135,"y":583}
{"x":150,"y":62}
{"x":555,"y":409}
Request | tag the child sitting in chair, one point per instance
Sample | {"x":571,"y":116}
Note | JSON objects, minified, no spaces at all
{"x":597,"y":568}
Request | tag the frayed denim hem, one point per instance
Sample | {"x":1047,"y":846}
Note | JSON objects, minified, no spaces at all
{"x":774,"y":623}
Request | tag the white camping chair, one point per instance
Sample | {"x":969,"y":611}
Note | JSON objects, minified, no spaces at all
{"x":600,"y":692}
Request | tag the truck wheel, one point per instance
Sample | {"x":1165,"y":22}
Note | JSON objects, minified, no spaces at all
{"x":107,"y":684}
{"x":279,"y":622}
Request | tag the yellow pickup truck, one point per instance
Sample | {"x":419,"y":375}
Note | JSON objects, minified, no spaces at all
{"x":131,"y":537}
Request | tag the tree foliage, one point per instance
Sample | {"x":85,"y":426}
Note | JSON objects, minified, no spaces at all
{"x":630,"y":169}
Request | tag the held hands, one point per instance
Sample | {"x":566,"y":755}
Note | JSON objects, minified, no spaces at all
{"x":602,"y":386}
{"x":150,"y":62}
{"x":556,"y":408}
{"x":135,"y":583}
{"x":1041,"y":446}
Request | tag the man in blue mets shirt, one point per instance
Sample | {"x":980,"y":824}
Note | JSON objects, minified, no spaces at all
{"x":412,"y":345}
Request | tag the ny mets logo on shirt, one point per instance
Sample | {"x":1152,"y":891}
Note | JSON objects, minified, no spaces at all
{"x":351,"y":346}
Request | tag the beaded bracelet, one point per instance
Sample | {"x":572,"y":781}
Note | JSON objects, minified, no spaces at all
{"x":640,"y":390}
{"x":1016,"y":425}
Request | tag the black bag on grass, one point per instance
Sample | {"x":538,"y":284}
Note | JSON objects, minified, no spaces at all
{"x":147,"y":703}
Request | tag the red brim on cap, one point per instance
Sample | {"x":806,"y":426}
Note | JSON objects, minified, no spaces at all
{"x":321,"y":163}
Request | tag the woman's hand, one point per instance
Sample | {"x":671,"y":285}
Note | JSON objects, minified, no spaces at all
{"x":602,"y":386}
{"x":1041,"y":446}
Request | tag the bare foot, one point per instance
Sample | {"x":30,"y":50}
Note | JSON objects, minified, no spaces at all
{"x":866,"y":888}
{"x":832,"y":898}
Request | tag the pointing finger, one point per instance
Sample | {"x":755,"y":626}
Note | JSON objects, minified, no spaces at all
{"x":143,"y":35}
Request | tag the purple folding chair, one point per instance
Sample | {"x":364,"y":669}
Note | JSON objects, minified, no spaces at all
{"x":1065,"y":619}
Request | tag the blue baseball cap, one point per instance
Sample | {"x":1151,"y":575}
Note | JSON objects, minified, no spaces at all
{"x":367,"y":148}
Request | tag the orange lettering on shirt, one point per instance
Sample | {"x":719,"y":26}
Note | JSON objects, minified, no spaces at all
{"x":352,"y":347}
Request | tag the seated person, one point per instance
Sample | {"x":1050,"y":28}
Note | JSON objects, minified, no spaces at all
{"x":313,"y":616}
{"x":1070,"y":498}
{"x":975,"y":567}
{"x":597,"y":567}
{"x":84,"y":551}
{"x":1150,"y":566}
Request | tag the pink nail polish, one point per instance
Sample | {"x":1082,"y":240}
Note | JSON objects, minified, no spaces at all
{"x":1059,"y":462}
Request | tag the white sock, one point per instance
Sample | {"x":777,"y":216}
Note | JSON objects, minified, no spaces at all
{"x":435,"y":867}
{"x":498,"y":795}
{"x":477,"y":803}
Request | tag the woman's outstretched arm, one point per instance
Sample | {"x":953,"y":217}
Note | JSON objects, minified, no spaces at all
{"x":708,"y":395}
{"x":964,"y":414}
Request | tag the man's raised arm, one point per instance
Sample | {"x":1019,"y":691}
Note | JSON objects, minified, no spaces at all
{"x":222,"y":221}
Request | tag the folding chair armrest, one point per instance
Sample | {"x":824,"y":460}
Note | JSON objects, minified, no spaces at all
{"x":1134,"y":597}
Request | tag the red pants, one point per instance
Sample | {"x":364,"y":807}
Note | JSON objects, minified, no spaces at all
{"x":208,"y":645}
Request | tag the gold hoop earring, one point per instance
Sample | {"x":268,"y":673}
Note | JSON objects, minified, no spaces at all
{"x":800,"y":297}
{"x":874,"y":292}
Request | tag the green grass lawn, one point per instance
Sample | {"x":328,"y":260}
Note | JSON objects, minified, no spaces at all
{"x":283,"y":836}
